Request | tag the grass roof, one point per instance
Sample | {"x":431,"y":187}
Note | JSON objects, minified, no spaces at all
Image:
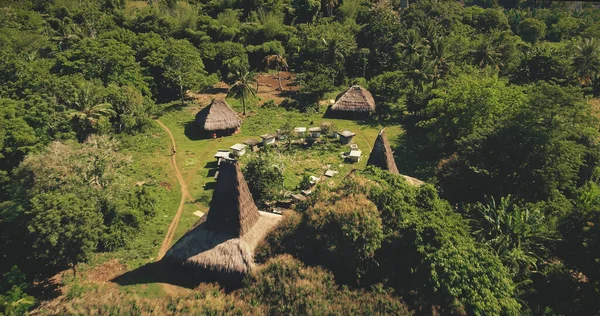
{"x":381,"y":155}
{"x":224,"y":239}
{"x":355,"y":99}
{"x":218,"y":116}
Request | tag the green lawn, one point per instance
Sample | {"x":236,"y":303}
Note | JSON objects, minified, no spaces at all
{"x":150,"y":154}
{"x":197,"y":164}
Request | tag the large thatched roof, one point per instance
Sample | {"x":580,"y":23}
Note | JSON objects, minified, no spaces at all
{"x":381,"y":155}
{"x":355,"y":99}
{"x":224,"y":239}
{"x":218,"y":116}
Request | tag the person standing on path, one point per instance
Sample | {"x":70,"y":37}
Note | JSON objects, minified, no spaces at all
{"x":173,"y":151}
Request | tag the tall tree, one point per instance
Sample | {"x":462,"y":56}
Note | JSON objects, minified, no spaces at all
{"x":487,"y":53}
{"x":64,"y":228}
{"x":412,"y":47}
{"x":336,"y":50}
{"x":183,"y":66}
{"x":439,"y":56}
{"x":88,"y":107}
{"x":177,"y":66}
{"x":586,"y":60}
{"x":279,"y":62}
{"x":244,"y":85}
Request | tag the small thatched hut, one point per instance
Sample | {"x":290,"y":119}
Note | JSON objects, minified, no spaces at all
{"x":354,"y":101}
{"x":218,"y":118}
{"x":221,"y":244}
{"x":382,"y":157}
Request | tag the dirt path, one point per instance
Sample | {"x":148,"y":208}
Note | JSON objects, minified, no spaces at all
{"x":185,"y":195}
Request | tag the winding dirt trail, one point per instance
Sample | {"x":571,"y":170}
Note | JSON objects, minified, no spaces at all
{"x":185,"y":195}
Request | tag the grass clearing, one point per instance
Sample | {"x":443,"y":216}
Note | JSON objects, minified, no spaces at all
{"x":150,"y":152}
{"x":197,"y":164}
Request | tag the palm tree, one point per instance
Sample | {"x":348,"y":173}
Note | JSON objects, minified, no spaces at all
{"x":243,"y":85}
{"x":586,"y":60}
{"x":487,"y":53}
{"x":279,"y":62}
{"x":517,"y":234}
{"x":364,"y":56}
{"x":420,"y":72}
{"x":412,"y":46}
{"x":336,"y":49}
{"x":88,"y":106}
{"x":439,"y":63}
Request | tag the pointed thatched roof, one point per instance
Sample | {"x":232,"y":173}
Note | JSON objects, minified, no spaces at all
{"x":218,"y":116}
{"x":381,"y":155}
{"x":232,"y":207}
{"x":224,"y":239}
{"x":355,"y":99}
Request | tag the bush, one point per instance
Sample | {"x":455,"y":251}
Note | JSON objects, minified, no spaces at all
{"x":328,"y":128}
{"x":347,"y":234}
{"x":269,"y":104}
{"x":376,"y":228}
{"x":286,"y":286}
{"x":263,"y":177}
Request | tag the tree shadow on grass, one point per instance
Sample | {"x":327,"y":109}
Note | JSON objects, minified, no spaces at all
{"x":195,"y":132}
{"x":374,"y":122}
{"x":47,"y":289}
{"x":210,"y":186}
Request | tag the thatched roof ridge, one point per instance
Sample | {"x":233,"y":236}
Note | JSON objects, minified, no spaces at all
{"x":224,"y":239}
{"x":355,"y":99}
{"x":218,"y":116}
{"x":381,"y":155}
{"x":232,"y":208}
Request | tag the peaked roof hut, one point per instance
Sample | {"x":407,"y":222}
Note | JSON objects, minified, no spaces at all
{"x":381,"y":155}
{"x":218,"y":116}
{"x":221,"y":244}
{"x":354,"y":100}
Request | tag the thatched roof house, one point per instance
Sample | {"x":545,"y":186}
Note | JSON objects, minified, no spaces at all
{"x":221,"y":244}
{"x":381,"y":155}
{"x":354,"y":100}
{"x":218,"y":117}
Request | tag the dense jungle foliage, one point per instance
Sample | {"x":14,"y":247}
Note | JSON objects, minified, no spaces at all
{"x":496,"y":99}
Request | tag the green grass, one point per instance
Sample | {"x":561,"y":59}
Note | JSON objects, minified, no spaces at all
{"x":150,"y":153}
{"x":196,"y":162}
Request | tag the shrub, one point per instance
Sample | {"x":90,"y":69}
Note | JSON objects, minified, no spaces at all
{"x":263,"y":177}
{"x":347,"y":234}
{"x":286,"y":286}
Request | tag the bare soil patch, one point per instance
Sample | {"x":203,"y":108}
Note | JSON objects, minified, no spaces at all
{"x":268,"y":89}
{"x":106,"y":271}
{"x":165,"y":185}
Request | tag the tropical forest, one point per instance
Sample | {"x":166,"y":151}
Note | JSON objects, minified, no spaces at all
{"x":299,"y":157}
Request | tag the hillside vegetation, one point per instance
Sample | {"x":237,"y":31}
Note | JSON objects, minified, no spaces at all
{"x":493,"y":103}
